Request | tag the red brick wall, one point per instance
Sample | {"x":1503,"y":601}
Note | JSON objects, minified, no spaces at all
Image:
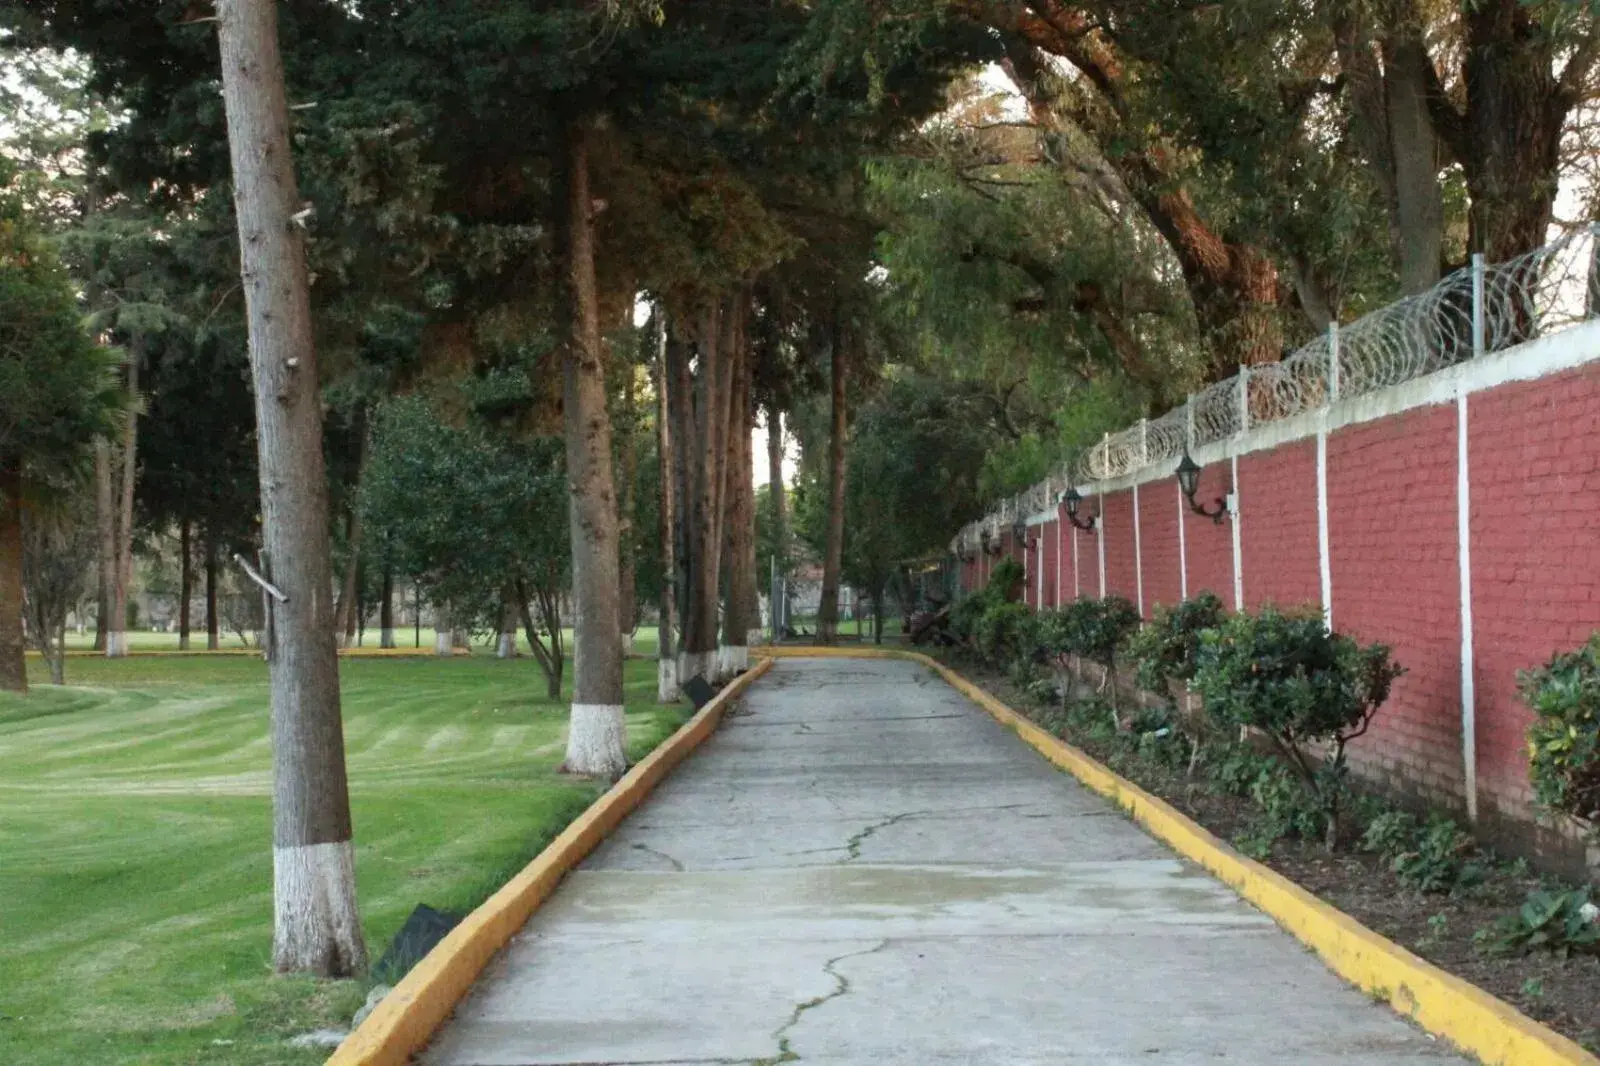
{"x":1073,"y":581}
{"x":1534,"y":461}
{"x":1208,"y":544}
{"x":1535,"y":525}
{"x":1158,"y":533}
{"x":1049,"y":552}
{"x":1392,"y":550}
{"x":1121,"y":579}
{"x":1278,"y":534}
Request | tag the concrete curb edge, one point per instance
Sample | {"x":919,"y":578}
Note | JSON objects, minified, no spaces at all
{"x":1441,"y":1003}
{"x":409,"y":1015}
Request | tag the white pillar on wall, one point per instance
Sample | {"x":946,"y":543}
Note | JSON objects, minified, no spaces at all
{"x":1469,"y":685}
{"x":1183,"y":548}
{"x":1100,"y":542}
{"x":1324,"y":563}
{"x":1238,"y":541}
{"x":1138,"y":553}
{"x":1077,"y":571}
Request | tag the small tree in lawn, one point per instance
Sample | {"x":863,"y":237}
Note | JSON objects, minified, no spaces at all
{"x":58,"y":392}
{"x":58,"y":555}
{"x":1288,"y":676}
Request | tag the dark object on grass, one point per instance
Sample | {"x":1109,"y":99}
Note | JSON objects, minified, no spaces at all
{"x":698,"y":691}
{"x":931,"y":626}
{"x":425,"y":928}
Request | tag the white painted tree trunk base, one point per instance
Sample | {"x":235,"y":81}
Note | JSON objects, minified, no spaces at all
{"x":507,"y":648}
{"x":316,"y":925}
{"x":666,"y":681}
{"x":116,"y":644}
{"x":387,"y":639}
{"x":442,"y":643}
{"x":627,"y":645}
{"x":755,"y":637}
{"x":702,"y":663}
{"x":735,"y":660}
{"x":597,"y":741}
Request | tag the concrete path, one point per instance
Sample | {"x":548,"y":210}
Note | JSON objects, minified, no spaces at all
{"x":862,"y":867}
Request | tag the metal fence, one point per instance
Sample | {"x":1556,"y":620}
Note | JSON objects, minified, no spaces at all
{"x":1475,"y":311}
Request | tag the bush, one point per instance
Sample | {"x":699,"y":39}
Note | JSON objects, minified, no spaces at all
{"x":1286,"y":675}
{"x":1005,"y":634}
{"x":1437,"y":857}
{"x":1564,"y":740}
{"x":1167,"y":648}
{"x":1094,"y":629}
{"x":1559,"y":922}
{"x":1005,"y":582}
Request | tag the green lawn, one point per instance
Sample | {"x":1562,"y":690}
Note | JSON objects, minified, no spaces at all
{"x":644,"y":641}
{"x":135,"y":836}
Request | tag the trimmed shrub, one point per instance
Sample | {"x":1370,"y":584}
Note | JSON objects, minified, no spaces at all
{"x":1287,"y":676}
{"x":1564,"y":740}
{"x":1094,"y":629}
{"x":1167,"y":648}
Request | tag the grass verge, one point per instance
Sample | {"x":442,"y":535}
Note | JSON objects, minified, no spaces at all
{"x":135,"y":891}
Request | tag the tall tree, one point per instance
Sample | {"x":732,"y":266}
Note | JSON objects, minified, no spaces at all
{"x":839,"y":428}
{"x":317,"y":927}
{"x":596,"y":734}
{"x":57,"y":393}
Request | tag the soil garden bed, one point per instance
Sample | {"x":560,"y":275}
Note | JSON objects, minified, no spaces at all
{"x":1563,"y":994}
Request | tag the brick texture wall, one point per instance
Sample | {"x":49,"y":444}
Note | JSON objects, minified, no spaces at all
{"x":1278,"y":535}
{"x":1118,"y":524}
{"x":1534,"y":476}
{"x":1158,"y":529}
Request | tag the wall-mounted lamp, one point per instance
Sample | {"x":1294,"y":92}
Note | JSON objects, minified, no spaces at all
{"x":1073,"y":499}
{"x":1189,"y":482}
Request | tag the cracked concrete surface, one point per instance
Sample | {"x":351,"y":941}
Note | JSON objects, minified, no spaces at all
{"x":893,"y":878}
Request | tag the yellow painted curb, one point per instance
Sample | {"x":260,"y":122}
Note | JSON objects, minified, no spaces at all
{"x":424,"y":998}
{"x":1441,"y":1003}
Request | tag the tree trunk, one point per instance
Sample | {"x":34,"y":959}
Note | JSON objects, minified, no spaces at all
{"x":705,"y":526}
{"x":105,"y":556}
{"x":628,"y":453}
{"x":596,"y":735}
{"x":386,"y":610}
{"x":122,"y":545}
{"x":317,"y":928}
{"x":185,"y":584}
{"x":345,"y":613}
{"x":57,"y":656}
{"x":213,"y":622}
{"x":685,"y":490}
{"x":666,"y":525}
{"x":506,"y":646}
{"x":13,"y":664}
{"x":737,"y":621}
{"x":551,"y":657}
{"x":443,"y":633}
{"x":1510,"y":143}
{"x":828,"y":609}
{"x":1419,"y":198}
{"x":780,"y":517}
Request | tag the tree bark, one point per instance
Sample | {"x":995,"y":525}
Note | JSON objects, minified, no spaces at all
{"x":596,"y":735}
{"x":666,"y":524}
{"x":1419,"y":198}
{"x":386,"y":610}
{"x":345,"y":612}
{"x":740,"y":488}
{"x":13,"y":664}
{"x":780,"y":517}
{"x":1509,"y":138}
{"x":551,"y":657}
{"x":833,"y":557}
{"x":685,"y":454}
{"x":122,"y":566}
{"x":213,"y":622}
{"x":506,"y":646}
{"x":317,"y":928}
{"x":627,"y":581}
{"x":705,"y":536}
{"x":106,"y":526}
{"x":185,"y":584}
